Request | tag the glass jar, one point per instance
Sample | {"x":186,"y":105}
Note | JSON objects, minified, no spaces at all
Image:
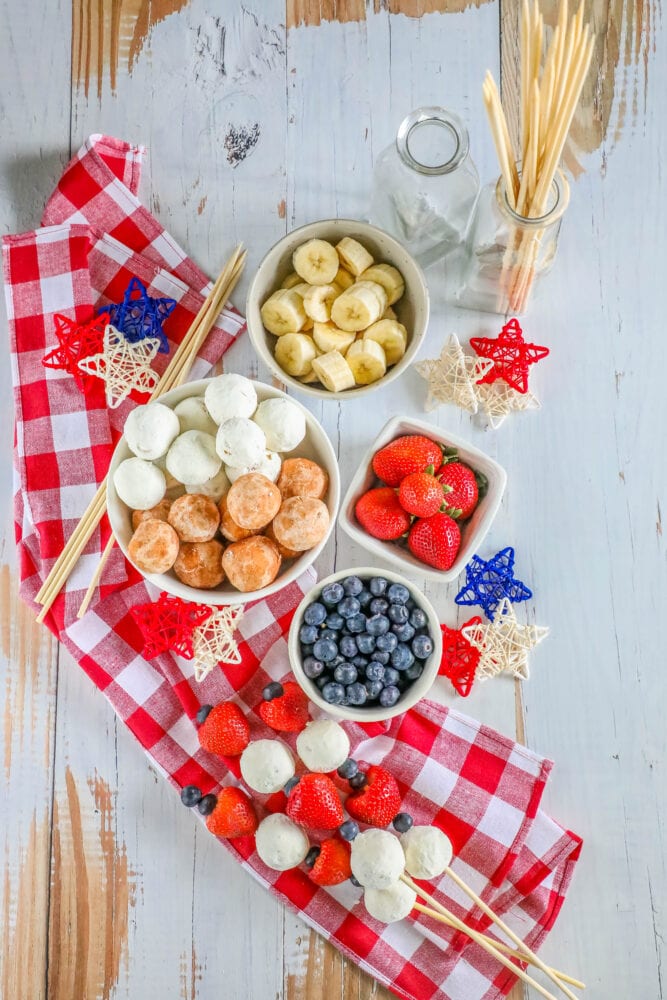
{"x":506,"y":253}
{"x":425,"y":184}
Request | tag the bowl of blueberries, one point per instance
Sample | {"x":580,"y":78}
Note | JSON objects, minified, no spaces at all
{"x":365,"y":646}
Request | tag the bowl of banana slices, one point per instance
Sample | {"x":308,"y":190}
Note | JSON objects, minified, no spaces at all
{"x":337,"y":308}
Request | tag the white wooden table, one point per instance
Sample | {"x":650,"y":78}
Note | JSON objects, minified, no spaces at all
{"x":111,"y":888}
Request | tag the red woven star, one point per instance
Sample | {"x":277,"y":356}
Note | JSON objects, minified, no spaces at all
{"x":168,"y":625}
{"x":76,"y":341}
{"x":459,"y":657}
{"x":510,"y":354}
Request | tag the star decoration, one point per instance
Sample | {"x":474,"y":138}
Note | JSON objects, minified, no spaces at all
{"x":168,"y":625}
{"x":510,"y":354}
{"x":489,"y":581}
{"x":504,"y":644}
{"x":76,"y":341}
{"x":497,"y":401}
{"x":459,"y":657}
{"x":139,"y":316}
{"x":214,"y":640}
{"x":452,"y":376}
{"x":123,"y":366}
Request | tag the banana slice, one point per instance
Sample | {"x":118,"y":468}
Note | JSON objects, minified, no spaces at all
{"x":308,"y":325}
{"x":391,"y":336}
{"x":311,"y":377}
{"x":291,"y":280}
{"x":333,"y":371}
{"x":389,"y":314}
{"x":343,"y":278}
{"x":367,"y":360}
{"x":283,"y":312}
{"x":328,"y":337}
{"x":301,"y":288}
{"x":353,"y":256}
{"x":389,"y":277}
{"x":316,"y":262}
{"x":295,"y":353}
{"x":318,"y":301}
{"x":362,"y":304}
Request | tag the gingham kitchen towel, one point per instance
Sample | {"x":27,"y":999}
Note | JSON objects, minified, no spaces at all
{"x":483,"y":789}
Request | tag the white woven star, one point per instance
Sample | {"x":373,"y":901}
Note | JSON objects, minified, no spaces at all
{"x":504,"y":643}
{"x":213,"y":641}
{"x":123,"y":366}
{"x":451,"y":377}
{"x":498,"y":399}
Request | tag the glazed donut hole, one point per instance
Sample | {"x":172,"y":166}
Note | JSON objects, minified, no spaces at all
{"x":199,"y":564}
{"x":299,"y":477}
{"x":301,"y":523}
{"x":154,"y":547}
{"x":194,"y":517}
{"x":158,"y":513}
{"x":229,"y":529}
{"x":252,"y":563}
{"x":253,"y":501}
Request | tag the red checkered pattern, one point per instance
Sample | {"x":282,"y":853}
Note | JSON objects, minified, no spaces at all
{"x":480,"y":787}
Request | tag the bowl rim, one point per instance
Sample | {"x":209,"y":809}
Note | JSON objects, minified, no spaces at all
{"x":215,"y":597}
{"x":421,"y":686}
{"x":394,"y":427}
{"x":257,"y":337}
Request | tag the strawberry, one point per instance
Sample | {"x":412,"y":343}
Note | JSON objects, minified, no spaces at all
{"x":332,"y":865}
{"x":314,"y":802}
{"x":410,"y":453}
{"x":225,"y":730}
{"x":378,"y":801}
{"x":287,"y":713}
{"x":421,"y":493}
{"x":435,"y":540}
{"x":234,"y":815}
{"x":381,"y":515}
{"x":461,"y":491}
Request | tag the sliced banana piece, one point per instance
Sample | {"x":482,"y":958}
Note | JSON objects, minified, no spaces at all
{"x":391,"y":336}
{"x":389,"y":314}
{"x":328,"y":337}
{"x":334,"y":372}
{"x":301,"y":288}
{"x":283,"y":312}
{"x":311,"y":377}
{"x":367,"y":360}
{"x":343,"y":278}
{"x":308,"y":325}
{"x":316,"y":261}
{"x":389,"y":277}
{"x":291,"y":280}
{"x":353,"y":256}
{"x":295,"y":353}
{"x":318,"y":301}
{"x":362,"y":304}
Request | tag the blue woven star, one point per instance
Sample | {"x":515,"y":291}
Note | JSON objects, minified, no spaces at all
{"x":488,"y":581}
{"x":139,"y":316}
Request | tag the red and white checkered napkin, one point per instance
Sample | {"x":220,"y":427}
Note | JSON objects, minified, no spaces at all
{"x":481,"y":788}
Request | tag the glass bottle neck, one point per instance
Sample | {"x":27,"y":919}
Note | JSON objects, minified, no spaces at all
{"x":432,"y":141}
{"x":557,"y":202}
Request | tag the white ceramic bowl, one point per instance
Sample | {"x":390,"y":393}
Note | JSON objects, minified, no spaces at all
{"x":412,"y":309}
{"x":418,"y":690}
{"x":473,"y":531}
{"x":315,"y":445}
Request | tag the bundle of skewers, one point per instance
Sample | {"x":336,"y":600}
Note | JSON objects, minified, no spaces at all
{"x":551,"y":86}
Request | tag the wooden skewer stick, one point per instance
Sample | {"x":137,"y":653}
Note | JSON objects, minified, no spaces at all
{"x":83,"y":607}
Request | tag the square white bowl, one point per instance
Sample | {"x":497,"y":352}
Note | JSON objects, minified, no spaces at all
{"x":473,"y":531}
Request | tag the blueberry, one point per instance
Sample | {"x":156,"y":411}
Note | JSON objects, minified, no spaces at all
{"x":402,"y":657}
{"x":325,"y":650}
{"x":348,"y":607}
{"x":307,"y":649}
{"x":289,"y":785}
{"x":398,"y":594}
{"x":308,"y":633}
{"x":402,"y":822}
{"x":311,"y":857}
{"x":312,"y":668}
{"x":333,"y":693}
{"x":202,"y":714}
{"x":373,"y":689}
{"x":415,"y":671}
{"x":410,"y":604}
{"x":379,"y":657}
{"x":358,"y":780}
{"x":356,"y":694}
{"x":360,"y":662}
{"x":375,"y":672}
{"x":378,"y":585}
{"x":365,"y":643}
{"x":348,"y":830}
{"x":345,"y":674}
{"x":272,"y":690}
{"x":334,"y":621}
{"x":332,"y":594}
{"x":398,"y":614}
{"x":336,"y":662}
{"x":320,"y":682}
{"x":190,"y":795}
{"x":352,"y":586}
{"x":329,"y":633}
{"x":422,"y":646}
{"x":378,"y":606}
{"x":364,"y":597}
{"x":356,"y":624}
{"x":389,"y":696}
{"x":390,"y":675}
{"x":418,"y":618}
{"x":404,"y":633}
{"x":348,"y":647}
{"x":387,"y":643}
{"x":355,"y":882}
{"x":377,"y":625}
{"x":348,"y":768}
{"x":207,"y":804}
{"x":315,"y":614}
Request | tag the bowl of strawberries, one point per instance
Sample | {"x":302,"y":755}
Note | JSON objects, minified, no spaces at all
{"x":422,"y":499}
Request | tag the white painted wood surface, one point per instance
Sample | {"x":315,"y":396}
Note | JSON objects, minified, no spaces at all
{"x":93,"y":839}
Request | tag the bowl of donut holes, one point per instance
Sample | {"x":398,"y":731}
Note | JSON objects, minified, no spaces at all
{"x":223,"y":491}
